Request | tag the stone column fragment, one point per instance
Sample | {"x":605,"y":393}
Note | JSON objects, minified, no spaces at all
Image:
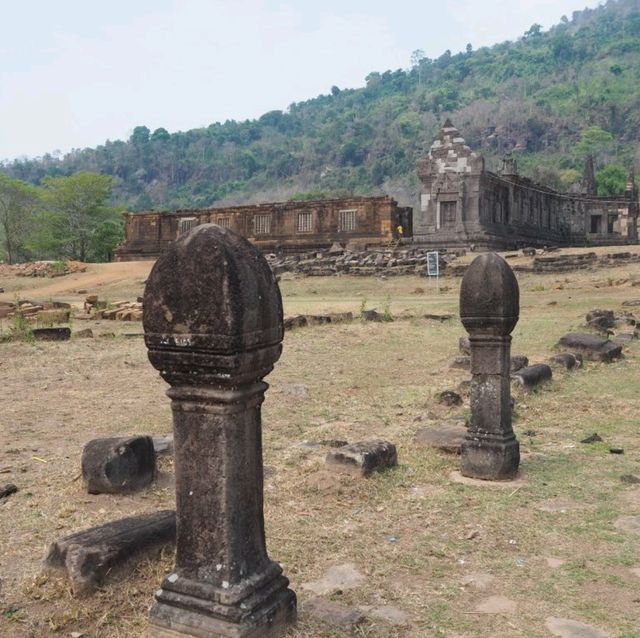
{"x":489,"y":311}
{"x":213,"y":327}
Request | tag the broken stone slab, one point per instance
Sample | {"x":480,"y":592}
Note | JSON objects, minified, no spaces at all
{"x":335,"y":614}
{"x":86,"y":333}
{"x":623,"y":338}
{"x":518,"y":362}
{"x":118,"y":465}
{"x":532,"y":376}
{"x":568,"y":360}
{"x":336,"y":578}
{"x":372,"y":315}
{"x":631,"y":302}
{"x":387,"y":613}
{"x":51,"y":334}
{"x":364,"y":458}
{"x":440,"y":318}
{"x":464,"y":345}
{"x":163,"y":445}
{"x":86,"y":557}
{"x":591,"y":347}
{"x":298,"y":321}
{"x":447,"y":438}
{"x":566,"y":628}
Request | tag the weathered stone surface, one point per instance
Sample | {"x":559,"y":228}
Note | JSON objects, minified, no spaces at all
{"x":631,"y":302}
{"x":299,"y":321}
{"x":623,"y":338}
{"x":628,"y":524}
{"x":464,"y":345}
{"x":518,"y":362}
{"x":8,"y":490}
{"x":447,"y":438}
{"x":489,"y":310}
{"x":372,"y":315}
{"x":52,"y":334}
{"x":163,"y":445}
{"x":364,"y":458}
{"x":86,"y":333}
{"x":567,"y":360}
{"x":440,"y":318}
{"x":335,"y":614}
{"x":566,"y":628}
{"x":118,"y":465}
{"x":87,"y":556}
{"x":387,"y":613}
{"x":458,"y":477}
{"x":532,"y":376}
{"x":213,"y":327}
{"x":337,"y":578}
{"x":591,"y":347}
{"x":496,"y":605}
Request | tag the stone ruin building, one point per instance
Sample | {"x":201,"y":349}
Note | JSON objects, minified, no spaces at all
{"x":462,"y":205}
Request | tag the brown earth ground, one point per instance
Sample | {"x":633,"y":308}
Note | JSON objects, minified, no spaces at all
{"x":416,"y":536}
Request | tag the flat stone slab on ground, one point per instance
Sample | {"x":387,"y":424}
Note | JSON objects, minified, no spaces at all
{"x":447,"y":438}
{"x":118,"y":465}
{"x":387,"y":613}
{"x":496,"y":605}
{"x":558,"y":505}
{"x":568,"y":360}
{"x":628,"y":524}
{"x":565,"y":628}
{"x":363,"y":458}
{"x":477,"y":580}
{"x":337,"y":578}
{"x":516,"y":483}
{"x":591,"y":346}
{"x":87,"y":556}
{"x":335,"y":614}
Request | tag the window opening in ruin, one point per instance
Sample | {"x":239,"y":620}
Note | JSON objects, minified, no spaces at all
{"x":596,"y":224}
{"x":262,"y":224}
{"x":305,"y":222}
{"x":187,"y":223}
{"x":347,"y":220}
{"x":225,"y":222}
{"x":613,"y":227}
{"x":448,"y":214}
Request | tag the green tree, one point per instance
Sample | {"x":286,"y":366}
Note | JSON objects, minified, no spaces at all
{"x":105,"y":238}
{"x":76,"y":206}
{"x":19,"y":203}
{"x":611,"y":180}
{"x":593,"y":140}
{"x":140,"y":135}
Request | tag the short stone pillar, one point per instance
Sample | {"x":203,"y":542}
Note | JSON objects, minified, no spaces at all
{"x":489,"y":311}
{"x":213,"y":327}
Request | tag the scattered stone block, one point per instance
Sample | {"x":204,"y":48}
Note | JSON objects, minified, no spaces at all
{"x":440,"y":318}
{"x":460,"y":363}
{"x":372,"y":315}
{"x":118,"y":465}
{"x":52,"y":334}
{"x":447,"y":438}
{"x":566,"y":628}
{"x":529,"y":252}
{"x":335,"y":614}
{"x":591,"y":347}
{"x":464,"y":345}
{"x":449,"y":398}
{"x":592,"y":438}
{"x":532,"y":376}
{"x":337,"y":578}
{"x":630,"y":479}
{"x":568,"y":360}
{"x":364,"y":458}
{"x":623,"y":338}
{"x":8,"y":490}
{"x":85,"y":333}
{"x":616,"y":450}
{"x":296,"y":390}
{"x":387,"y":613}
{"x":86,"y":557}
{"x":628,"y":524}
{"x":631,"y":302}
{"x":518,"y":362}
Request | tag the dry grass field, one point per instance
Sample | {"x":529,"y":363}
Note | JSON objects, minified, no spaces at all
{"x":426,"y":545}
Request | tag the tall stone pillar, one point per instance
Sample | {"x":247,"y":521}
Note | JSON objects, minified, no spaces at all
{"x":213,"y":328}
{"x":489,"y":311}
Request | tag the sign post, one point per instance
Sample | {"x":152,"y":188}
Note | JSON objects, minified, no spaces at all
{"x":433,"y":266}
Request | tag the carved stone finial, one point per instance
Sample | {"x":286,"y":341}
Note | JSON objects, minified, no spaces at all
{"x":489,"y":311}
{"x":213,"y":327}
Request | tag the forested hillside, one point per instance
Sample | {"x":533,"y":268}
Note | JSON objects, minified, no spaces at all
{"x":551,"y":98}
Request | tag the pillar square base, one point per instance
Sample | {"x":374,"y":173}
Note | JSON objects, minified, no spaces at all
{"x":269,"y":620}
{"x":490,"y":460}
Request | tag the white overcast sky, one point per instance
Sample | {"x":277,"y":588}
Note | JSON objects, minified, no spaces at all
{"x":74,"y":73}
